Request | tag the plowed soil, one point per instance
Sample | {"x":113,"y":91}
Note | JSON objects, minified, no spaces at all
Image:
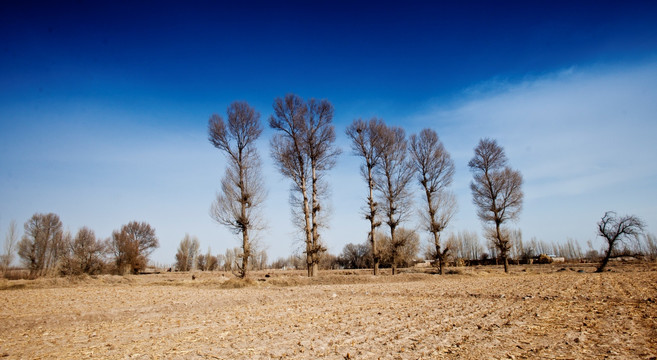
{"x":554,"y":312}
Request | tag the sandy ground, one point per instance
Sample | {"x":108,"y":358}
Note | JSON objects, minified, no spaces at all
{"x":554,"y":312}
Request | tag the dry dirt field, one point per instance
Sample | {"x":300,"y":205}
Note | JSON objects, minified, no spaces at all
{"x":553,"y":312}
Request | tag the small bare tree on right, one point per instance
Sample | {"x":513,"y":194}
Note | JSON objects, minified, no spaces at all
{"x":496,"y":192}
{"x":617,"y":230}
{"x":435,"y":170}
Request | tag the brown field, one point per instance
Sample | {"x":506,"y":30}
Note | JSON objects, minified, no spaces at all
{"x":539,"y":311}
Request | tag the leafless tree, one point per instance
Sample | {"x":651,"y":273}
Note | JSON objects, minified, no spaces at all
{"x":132,"y":245}
{"x":209,"y":262}
{"x":230,"y":257}
{"x":569,"y":250}
{"x":365,"y":138}
{"x":42,"y":245}
{"x":435,"y":171}
{"x":354,"y":256}
{"x":201,"y":262}
{"x":187,"y":253}
{"x":329,"y":261}
{"x":401,"y":250}
{"x":651,"y":246}
{"x":293,"y":261}
{"x":259,"y":259}
{"x":392,"y":180}
{"x":618,"y":230}
{"x":9,"y":247}
{"x":465,"y":245}
{"x":304,"y":150}
{"x":517,"y":246}
{"x":242,"y":190}
{"x":212,"y":262}
{"x":85,"y":254}
{"x":496,"y":192}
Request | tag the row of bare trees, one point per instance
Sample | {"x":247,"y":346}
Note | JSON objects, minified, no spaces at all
{"x":46,"y":248}
{"x":189,"y":258}
{"x":389,"y":166}
{"x":359,"y":256}
{"x":304,"y":150}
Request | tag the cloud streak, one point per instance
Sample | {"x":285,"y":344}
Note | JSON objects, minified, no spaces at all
{"x":575,"y":135}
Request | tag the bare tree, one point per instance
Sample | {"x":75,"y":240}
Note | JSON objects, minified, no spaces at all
{"x":201,"y":262}
{"x":517,"y":246}
{"x":230,"y":257}
{"x":464,"y":245}
{"x":209,"y":262}
{"x":401,"y":250}
{"x":365,"y":138}
{"x":353,"y":256}
{"x":496,"y":192}
{"x":132,"y":245}
{"x":259,"y":259}
{"x":9,"y":247}
{"x":42,"y":245}
{"x":304,"y":150}
{"x":618,"y":230}
{"x":212,"y":262}
{"x":651,"y":246}
{"x":187,"y":253}
{"x":435,"y":170}
{"x":242,"y":190}
{"x":392,"y":180}
{"x":85,"y":254}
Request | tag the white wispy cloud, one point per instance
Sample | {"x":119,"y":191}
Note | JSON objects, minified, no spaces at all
{"x":576,"y":134}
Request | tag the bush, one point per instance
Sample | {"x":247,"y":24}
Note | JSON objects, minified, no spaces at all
{"x":544,"y":259}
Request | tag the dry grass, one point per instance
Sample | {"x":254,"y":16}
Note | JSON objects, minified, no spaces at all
{"x":546,"y":311}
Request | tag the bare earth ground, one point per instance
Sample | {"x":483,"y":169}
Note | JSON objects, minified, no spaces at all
{"x":550,"y":312}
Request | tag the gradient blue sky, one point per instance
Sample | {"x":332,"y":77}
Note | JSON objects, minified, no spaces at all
{"x":104,"y":105}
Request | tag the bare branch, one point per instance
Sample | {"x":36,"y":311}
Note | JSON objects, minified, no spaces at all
{"x":616,"y":230}
{"x":242,"y":189}
{"x":304,"y":149}
{"x":496,"y":192}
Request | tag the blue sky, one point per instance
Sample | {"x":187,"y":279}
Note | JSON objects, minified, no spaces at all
{"x":104,"y":105}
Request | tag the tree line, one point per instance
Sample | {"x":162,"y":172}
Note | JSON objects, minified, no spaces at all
{"x":45,"y":248}
{"x":304,"y":150}
{"x":393,"y":166}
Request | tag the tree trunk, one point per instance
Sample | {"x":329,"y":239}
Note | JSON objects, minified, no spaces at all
{"x":604,"y":262}
{"x":308,"y":231}
{"x":375,"y":250}
{"x":316,"y":247}
{"x":440,"y":257}
{"x":501,"y":246}
{"x":246,"y":253}
{"x":394,"y":249}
